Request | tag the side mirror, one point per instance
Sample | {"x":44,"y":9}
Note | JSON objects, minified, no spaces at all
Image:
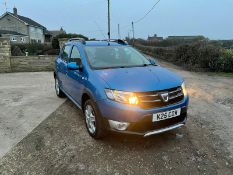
{"x":75,"y":65}
{"x":152,"y":61}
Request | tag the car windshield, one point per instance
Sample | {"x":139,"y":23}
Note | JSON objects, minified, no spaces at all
{"x":103,"y":57}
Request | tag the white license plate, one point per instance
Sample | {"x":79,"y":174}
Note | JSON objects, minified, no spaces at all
{"x":166,"y":115}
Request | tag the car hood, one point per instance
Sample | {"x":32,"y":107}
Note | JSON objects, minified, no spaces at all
{"x":140,"y":79}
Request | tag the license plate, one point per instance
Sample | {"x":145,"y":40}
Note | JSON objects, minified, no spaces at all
{"x":166,"y":115}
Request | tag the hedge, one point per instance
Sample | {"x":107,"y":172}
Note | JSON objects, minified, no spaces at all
{"x":33,"y":49}
{"x":199,"y":56}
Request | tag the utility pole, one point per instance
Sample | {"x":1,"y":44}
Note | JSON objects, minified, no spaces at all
{"x":133,"y":32}
{"x":119,"y":33}
{"x":109,"y":25}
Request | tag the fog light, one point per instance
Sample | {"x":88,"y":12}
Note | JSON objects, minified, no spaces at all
{"x":120,"y":126}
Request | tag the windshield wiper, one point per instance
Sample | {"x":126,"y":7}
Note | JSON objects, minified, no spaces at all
{"x":150,"y":65}
{"x":122,"y":67}
{"x":147,"y":65}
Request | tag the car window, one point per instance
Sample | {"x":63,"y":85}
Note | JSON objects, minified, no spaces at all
{"x":75,"y":54}
{"x":65,"y":52}
{"x":107,"y":57}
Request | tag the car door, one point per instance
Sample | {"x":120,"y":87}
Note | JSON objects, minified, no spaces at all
{"x":76,"y":77}
{"x":62,"y":67}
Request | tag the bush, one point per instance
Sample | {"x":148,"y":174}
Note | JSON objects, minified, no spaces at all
{"x":225,"y":61}
{"x":52,"y":52}
{"x":16,"y":51}
{"x":200,"y":56}
{"x":31,"y":48}
{"x":168,"y":42}
{"x":166,"y":53}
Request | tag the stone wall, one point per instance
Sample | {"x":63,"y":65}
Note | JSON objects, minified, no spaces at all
{"x":32,"y":63}
{"x":10,"y":63}
{"x":5,"y":52}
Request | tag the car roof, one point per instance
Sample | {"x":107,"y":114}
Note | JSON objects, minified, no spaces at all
{"x":99,"y":43}
{"x":103,"y":43}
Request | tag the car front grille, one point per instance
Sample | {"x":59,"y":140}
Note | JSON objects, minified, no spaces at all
{"x":154,"y":99}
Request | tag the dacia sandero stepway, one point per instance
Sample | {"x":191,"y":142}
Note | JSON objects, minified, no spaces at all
{"x":120,"y":89}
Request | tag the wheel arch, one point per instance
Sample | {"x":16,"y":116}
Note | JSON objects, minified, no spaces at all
{"x":85,"y":96}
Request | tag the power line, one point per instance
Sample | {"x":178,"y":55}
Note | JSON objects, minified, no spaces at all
{"x":100,"y":30}
{"x":140,"y":19}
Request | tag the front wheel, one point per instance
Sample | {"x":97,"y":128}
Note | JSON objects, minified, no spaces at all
{"x":57,"y":89}
{"x":94,"y":122}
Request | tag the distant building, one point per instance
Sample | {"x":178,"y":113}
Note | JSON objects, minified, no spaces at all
{"x":50,"y":34}
{"x":55,"y":33}
{"x":185,"y":37}
{"x":21,"y":29}
{"x":14,"y":36}
{"x":154,"y":38}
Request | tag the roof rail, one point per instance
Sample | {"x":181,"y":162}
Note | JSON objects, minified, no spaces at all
{"x":78,"y":39}
{"x":119,"y":41}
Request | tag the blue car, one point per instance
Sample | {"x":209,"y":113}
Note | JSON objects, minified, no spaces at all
{"x":120,"y":89}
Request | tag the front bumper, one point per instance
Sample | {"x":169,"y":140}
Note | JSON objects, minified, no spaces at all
{"x":140,"y":119}
{"x":163,"y":129}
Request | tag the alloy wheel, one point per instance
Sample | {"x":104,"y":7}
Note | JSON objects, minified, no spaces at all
{"x":90,"y":119}
{"x":57,"y":88}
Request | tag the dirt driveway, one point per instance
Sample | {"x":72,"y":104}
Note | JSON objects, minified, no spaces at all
{"x":61,"y":145}
{"x":26,"y":99}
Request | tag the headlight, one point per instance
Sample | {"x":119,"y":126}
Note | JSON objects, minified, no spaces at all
{"x":122,"y":97}
{"x":184,"y":89}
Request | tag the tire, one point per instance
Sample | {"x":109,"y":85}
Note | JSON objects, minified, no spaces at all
{"x":97,"y":131}
{"x":58,"y":90}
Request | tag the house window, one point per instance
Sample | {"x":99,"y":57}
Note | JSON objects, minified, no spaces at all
{"x":39,"y":41}
{"x":22,"y":39}
{"x":32,"y":29}
{"x":13,"y":39}
{"x":33,"y":41}
{"x":39,"y":31}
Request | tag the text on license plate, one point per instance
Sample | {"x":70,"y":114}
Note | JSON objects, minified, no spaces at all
{"x":166,"y":115}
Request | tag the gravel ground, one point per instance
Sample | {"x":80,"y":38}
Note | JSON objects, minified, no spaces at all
{"x":61,"y":145}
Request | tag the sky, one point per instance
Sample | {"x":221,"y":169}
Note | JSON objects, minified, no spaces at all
{"x":211,"y":18}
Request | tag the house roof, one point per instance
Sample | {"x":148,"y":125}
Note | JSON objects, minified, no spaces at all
{"x":11,"y":33}
{"x":26,"y":20}
{"x":54,"y":33}
{"x":47,"y":32}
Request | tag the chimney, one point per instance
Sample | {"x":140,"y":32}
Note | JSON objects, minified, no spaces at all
{"x":15,"y":11}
